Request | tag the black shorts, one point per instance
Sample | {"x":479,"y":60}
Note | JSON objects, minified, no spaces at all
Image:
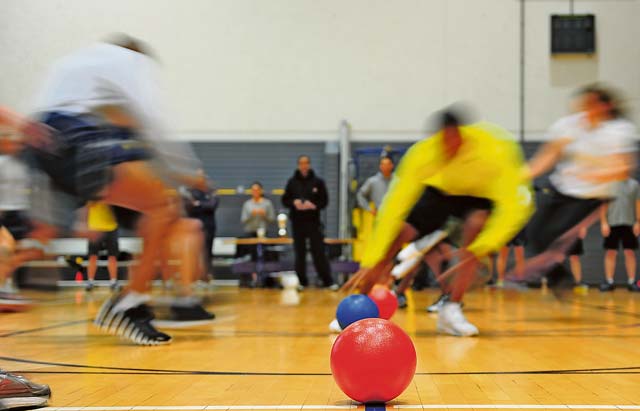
{"x":108,"y":241}
{"x":577,"y":248}
{"x":621,"y":234}
{"x":83,"y":152}
{"x":17,"y":223}
{"x":434,"y":208}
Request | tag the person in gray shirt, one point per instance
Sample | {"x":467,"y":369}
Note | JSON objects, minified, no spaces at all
{"x":257,"y":212}
{"x":375,"y":187}
{"x":620,"y":225}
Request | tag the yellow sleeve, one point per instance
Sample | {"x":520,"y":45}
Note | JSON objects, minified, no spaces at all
{"x":420,"y":162}
{"x":513,"y":203}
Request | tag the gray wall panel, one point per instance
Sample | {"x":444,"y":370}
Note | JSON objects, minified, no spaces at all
{"x":233,"y":164}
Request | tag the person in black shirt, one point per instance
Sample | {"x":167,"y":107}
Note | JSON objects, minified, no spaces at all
{"x":202,"y":205}
{"x":305,"y":195}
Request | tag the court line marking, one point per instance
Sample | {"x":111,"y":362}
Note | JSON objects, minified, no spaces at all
{"x":49,"y":327}
{"x":519,"y":406}
{"x":348,"y":407}
{"x":124,"y":370}
{"x":206,"y":407}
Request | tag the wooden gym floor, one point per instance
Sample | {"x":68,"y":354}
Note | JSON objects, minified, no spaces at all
{"x":534,"y":352}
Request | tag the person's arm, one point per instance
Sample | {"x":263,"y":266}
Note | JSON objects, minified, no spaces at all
{"x":246,"y":213}
{"x":604,"y":223}
{"x":561,"y":133}
{"x":422,"y":161}
{"x":322,"y":197}
{"x":271,"y":213}
{"x":287,"y":197}
{"x":582,"y":234}
{"x":546,"y":157}
{"x":619,"y":167}
{"x":363,"y":196}
{"x":11,"y":119}
{"x":512,"y":204}
{"x":32,"y":132}
{"x":210,"y":203}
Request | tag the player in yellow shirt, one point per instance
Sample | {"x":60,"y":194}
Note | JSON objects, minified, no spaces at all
{"x":473,"y":172}
{"x":101,"y":219}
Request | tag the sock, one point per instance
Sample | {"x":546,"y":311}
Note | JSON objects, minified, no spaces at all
{"x":630,"y":281}
{"x":130,"y":300}
{"x":609,"y":280}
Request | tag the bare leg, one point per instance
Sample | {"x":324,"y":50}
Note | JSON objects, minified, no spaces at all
{"x":185,"y":242}
{"x":135,"y":186}
{"x":92,"y":267}
{"x":576,"y":268}
{"x":518,"y":251}
{"x":405,"y":283}
{"x":7,"y":250}
{"x":434,"y":260}
{"x":610,"y":264}
{"x":112,"y":267}
{"x":501,"y":263}
{"x":630,"y":264}
{"x":469,"y":263}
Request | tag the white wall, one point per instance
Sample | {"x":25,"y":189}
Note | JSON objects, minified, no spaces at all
{"x":267,"y":69}
{"x":550,"y":81}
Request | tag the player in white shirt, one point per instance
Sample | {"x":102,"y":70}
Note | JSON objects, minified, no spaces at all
{"x":109,"y":143}
{"x":592,"y":151}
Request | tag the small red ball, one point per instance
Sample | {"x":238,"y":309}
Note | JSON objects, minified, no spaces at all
{"x":373,"y":360}
{"x":386,"y":301}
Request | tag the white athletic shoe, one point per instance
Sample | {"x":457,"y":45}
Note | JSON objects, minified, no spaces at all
{"x":452,"y":321}
{"x":411,"y":255}
{"x":334,"y":327}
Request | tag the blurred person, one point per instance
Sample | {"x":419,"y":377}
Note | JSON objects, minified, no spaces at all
{"x":620,"y":226}
{"x":590,"y":153}
{"x":376,"y":186}
{"x":257,"y":212}
{"x":467,"y":171}
{"x":14,"y":215}
{"x":517,"y":244}
{"x":575,"y":253}
{"x":202,"y":205}
{"x":101,"y":219}
{"x":436,"y":258}
{"x":108,"y":143}
{"x":16,"y":391}
{"x":305,"y":195}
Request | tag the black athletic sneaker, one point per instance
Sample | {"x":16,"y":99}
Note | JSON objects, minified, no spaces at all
{"x":133,"y":324}
{"x":633,"y":287}
{"x":402,"y":300}
{"x":605,"y":287}
{"x":194,"y":312}
{"x":18,"y":392}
